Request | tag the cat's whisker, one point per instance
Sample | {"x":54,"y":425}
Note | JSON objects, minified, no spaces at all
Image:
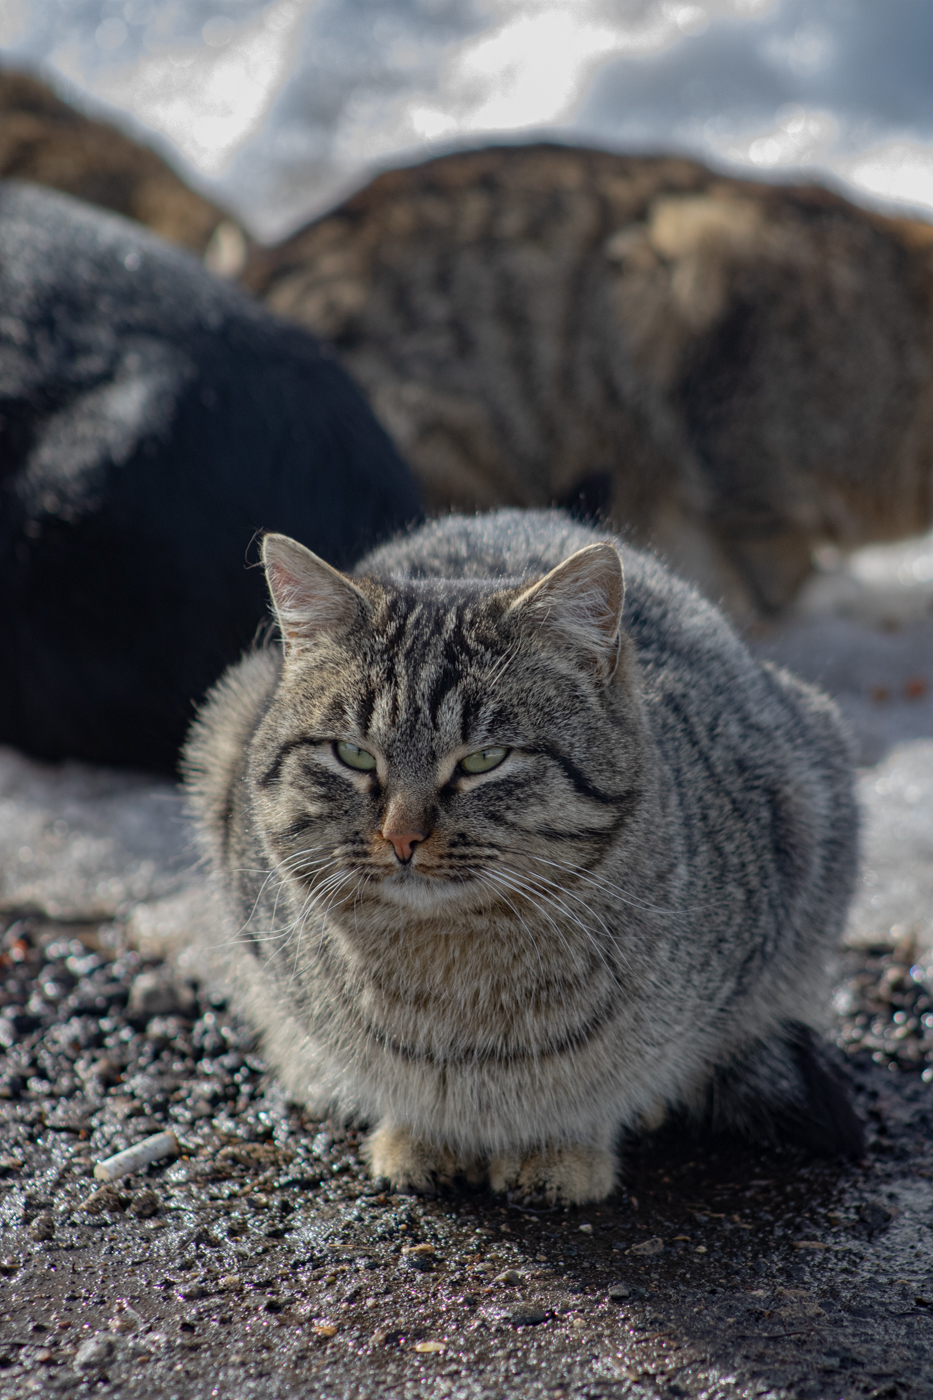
{"x":517,"y":888}
{"x":269,"y":873}
{"x":534,"y":944}
{"x":503,"y":666}
{"x":329,"y":891}
{"x":539,"y":898}
{"x":609,"y":886}
{"x":307,"y":910}
{"x":563,"y":893}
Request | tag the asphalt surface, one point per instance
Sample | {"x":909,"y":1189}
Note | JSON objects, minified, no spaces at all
{"x":264,"y":1263}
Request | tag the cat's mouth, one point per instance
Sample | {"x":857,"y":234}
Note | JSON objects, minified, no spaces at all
{"x":411,"y":888}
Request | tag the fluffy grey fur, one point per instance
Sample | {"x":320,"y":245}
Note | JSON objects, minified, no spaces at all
{"x":632,"y":912}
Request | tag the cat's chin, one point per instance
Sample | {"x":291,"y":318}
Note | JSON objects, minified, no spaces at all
{"x":429,"y":894}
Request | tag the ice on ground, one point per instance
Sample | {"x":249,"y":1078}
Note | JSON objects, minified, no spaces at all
{"x":894,"y":903}
{"x":84,"y":843}
{"x":863,"y":630}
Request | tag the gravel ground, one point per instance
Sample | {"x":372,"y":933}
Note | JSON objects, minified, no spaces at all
{"x":263,"y":1262}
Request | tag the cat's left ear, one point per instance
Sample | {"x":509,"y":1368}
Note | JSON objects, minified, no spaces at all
{"x":580,"y":602}
{"x":311,"y":598}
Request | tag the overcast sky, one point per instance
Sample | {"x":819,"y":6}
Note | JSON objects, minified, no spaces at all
{"x":277,"y":110}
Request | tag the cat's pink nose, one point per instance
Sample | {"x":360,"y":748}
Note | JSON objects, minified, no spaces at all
{"x":404,"y":843}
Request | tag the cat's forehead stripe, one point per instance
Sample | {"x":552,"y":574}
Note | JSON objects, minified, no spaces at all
{"x":424,"y":657}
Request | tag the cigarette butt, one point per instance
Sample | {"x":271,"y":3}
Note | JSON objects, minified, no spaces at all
{"x":151,"y":1149}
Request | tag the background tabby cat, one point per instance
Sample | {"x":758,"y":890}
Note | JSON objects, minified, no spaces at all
{"x":735,"y":372}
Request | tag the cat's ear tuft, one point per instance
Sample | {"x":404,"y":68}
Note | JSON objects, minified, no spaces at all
{"x":580,"y":602}
{"x":311,"y":599}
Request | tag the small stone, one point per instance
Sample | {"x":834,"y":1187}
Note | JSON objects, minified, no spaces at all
{"x":125,"y":1320}
{"x":528,"y":1317}
{"x":95,"y":1353}
{"x":508,"y":1276}
{"x":652,"y":1246}
{"x":618,"y":1292}
{"x":144,"y":1204}
{"x":585,"y":1229}
{"x":421,"y":1263}
{"x":43,"y":1227}
{"x":231,"y":1283}
{"x":700,"y":1249}
{"x":577,"y":1322}
{"x":874,"y":1215}
{"x":419,"y":1249}
{"x":106,"y":1198}
{"x":191,"y":1292}
{"x":429,"y":1346}
{"x":324,"y":1329}
{"x":154,"y":995}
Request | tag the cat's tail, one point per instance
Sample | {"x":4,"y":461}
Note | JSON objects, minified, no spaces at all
{"x":784,"y":1090}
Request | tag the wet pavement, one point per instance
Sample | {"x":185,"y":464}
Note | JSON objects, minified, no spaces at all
{"x":263,"y":1262}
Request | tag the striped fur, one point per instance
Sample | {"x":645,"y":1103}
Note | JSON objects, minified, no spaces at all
{"x":634,"y":913}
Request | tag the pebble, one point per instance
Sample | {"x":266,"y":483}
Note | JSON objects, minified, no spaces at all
{"x":94,"y":1354}
{"x":585,"y":1229}
{"x":421,"y":1263}
{"x":508,"y":1276}
{"x":528,"y":1317}
{"x":43,"y":1227}
{"x":652,"y":1246}
{"x":144,"y":1204}
{"x":874,"y":1214}
{"x":125,"y":1320}
{"x":152,"y":994}
{"x":618,"y":1291}
{"x":429,"y":1346}
{"x":106,"y":1198}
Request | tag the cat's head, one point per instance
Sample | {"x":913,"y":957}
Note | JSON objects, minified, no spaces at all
{"x":437,"y":743}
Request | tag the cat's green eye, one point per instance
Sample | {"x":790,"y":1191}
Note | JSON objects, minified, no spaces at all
{"x":483,"y":759}
{"x":355,"y":757}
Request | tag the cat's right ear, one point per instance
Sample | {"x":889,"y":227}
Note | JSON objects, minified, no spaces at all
{"x":311,"y":599}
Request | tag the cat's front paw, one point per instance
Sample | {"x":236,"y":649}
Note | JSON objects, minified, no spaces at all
{"x":570,"y":1174}
{"x":406,"y":1161}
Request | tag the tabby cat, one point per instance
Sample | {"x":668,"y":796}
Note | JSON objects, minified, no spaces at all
{"x":50,"y":142}
{"x":734,"y":372}
{"x":515,"y":853}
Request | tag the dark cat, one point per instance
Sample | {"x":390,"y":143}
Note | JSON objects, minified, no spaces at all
{"x":152,"y":420}
{"x":506,"y":864}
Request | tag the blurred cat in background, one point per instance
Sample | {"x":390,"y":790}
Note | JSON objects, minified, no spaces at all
{"x":732,"y":372}
{"x":153,"y":421}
